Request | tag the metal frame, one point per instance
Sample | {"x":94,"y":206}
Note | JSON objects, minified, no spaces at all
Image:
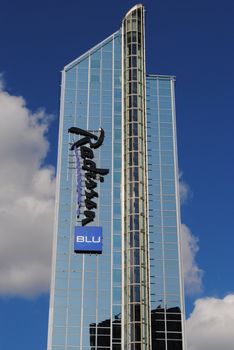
{"x":182,"y":299}
{"x":57,"y":197}
{"x":130,"y":334}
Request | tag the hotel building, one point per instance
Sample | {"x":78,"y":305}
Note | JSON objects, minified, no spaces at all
{"x":116,"y":271}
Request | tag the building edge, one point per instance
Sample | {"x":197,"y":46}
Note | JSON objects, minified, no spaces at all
{"x":56,"y":212}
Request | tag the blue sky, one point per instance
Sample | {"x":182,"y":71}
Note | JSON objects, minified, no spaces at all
{"x":192,"y":40}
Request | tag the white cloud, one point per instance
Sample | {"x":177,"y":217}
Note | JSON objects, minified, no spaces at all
{"x":185,"y":191}
{"x":26,"y":199}
{"x":192,"y":273}
{"x":210,"y":325}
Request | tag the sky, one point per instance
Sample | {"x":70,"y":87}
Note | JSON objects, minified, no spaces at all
{"x":192,"y":40}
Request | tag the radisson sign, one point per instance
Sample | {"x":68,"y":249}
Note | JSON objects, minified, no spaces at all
{"x":85,"y":165}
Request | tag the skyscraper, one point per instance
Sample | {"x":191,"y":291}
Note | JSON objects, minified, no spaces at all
{"x":116,"y":271}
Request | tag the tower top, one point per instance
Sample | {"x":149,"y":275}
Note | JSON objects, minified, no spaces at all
{"x":136,"y":7}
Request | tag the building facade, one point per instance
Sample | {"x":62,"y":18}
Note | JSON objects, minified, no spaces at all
{"x":116,"y":270}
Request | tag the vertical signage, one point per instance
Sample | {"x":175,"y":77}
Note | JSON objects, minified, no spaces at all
{"x":86,"y":170}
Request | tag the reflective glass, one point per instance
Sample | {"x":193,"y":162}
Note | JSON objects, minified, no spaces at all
{"x":164,"y":229}
{"x":83,"y":282}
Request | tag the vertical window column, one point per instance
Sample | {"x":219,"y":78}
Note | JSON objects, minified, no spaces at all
{"x":136,"y":265}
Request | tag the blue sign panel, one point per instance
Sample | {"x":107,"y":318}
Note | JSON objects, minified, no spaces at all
{"x":88,"y":239}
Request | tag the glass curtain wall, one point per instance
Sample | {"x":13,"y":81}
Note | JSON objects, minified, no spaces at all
{"x":85,"y":304}
{"x":130,"y":296}
{"x":167,"y":310}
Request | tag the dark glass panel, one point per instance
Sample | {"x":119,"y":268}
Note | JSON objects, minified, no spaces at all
{"x":174,"y":326}
{"x":116,"y":347}
{"x":135,"y":143}
{"x":174,"y":345}
{"x":174,"y":336}
{"x":172,"y":317}
{"x":137,"y":331}
{"x":132,"y":316}
{"x":128,"y":37}
{"x":136,"y":174}
{"x":132,"y":88}
{"x":134,"y":274}
{"x":134,"y":36}
{"x":137,"y":312}
{"x":100,"y":335}
{"x":136,"y":240}
{"x":134,"y":101}
{"x":129,"y":49}
{"x":134,"y":296}
{"x":158,"y":345}
{"x":133,"y":115}
{"x":133,"y":49}
{"x":133,"y":222}
{"x":132,"y":263}
{"x":136,"y":256}
{"x":139,"y":11}
{"x":135,"y":159}
{"x":130,"y":61}
{"x":134,"y":61}
{"x":139,"y":40}
{"x":132,"y":332}
{"x":136,"y":206}
{"x":158,"y":326}
{"x":133,"y":129}
{"x":131,"y":238}
{"x":134,"y":74}
{"x":159,"y":335}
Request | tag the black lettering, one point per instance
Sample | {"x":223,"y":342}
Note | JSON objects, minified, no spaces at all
{"x":90,"y":204}
{"x":100,"y":140}
{"x":102,"y":172}
{"x":78,"y":131}
{"x":90,"y":165}
{"x":91,"y":194}
{"x":90,"y":176}
{"x":86,"y":152}
{"x":80,"y":143}
{"x":91,"y":171}
{"x":90,"y":216}
{"x":87,"y":138}
{"x":90,"y":184}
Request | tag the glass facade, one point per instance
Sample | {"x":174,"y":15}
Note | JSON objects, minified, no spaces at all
{"x":86,"y":290}
{"x":167,"y":310}
{"x":130,"y":296}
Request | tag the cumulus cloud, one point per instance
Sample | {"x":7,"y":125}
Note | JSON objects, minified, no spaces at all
{"x":192,"y":273}
{"x":185,"y":191}
{"x":210,"y":325}
{"x":26,"y":199}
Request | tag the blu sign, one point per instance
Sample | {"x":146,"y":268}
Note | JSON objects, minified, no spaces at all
{"x":88,"y":239}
